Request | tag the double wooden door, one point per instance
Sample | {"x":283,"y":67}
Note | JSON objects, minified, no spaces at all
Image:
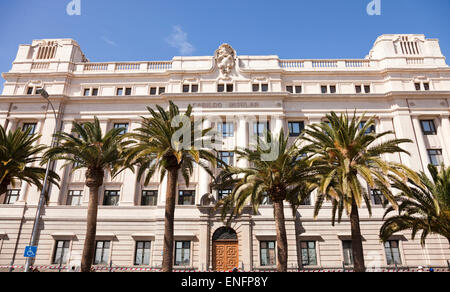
{"x":225,"y":255}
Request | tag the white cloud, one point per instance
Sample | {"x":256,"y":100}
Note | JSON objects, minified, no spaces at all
{"x":109,"y":42}
{"x":179,"y":39}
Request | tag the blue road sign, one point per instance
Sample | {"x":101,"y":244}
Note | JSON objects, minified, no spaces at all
{"x":30,"y":252}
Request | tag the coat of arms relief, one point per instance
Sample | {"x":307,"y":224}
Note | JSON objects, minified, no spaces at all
{"x":226,"y":59}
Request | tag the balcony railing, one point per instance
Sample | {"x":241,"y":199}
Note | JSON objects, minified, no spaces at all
{"x":294,"y":65}
{"x":128,"y":67}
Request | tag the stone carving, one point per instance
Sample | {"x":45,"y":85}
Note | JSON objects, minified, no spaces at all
{"x":226,"y":59}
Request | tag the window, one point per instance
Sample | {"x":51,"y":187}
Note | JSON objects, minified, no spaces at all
{"x":90,"y":92}
{"x":264,"y":87}
{"x":227,"y":158}
{"x":369,"y":130}
{"x":266,"y":200}
{"x":428,"y":127}
{"x":101,"y":256}
{"x":127,"y":91}
{"x":306,"y":201}
{"x":268,"y":253}
{"x":298,"y":89}
{"x":33,"y":90}
{"x":149,"y":198}
{"x":309,"y":257}
{"x":182,"y":253}
{"x":222,"y":194}
{"x":360,"y":88}
{"x":186,"y":198}
{"x":119,"y":92}
{"x":111,"y":198}
{"x":30,"y":126}
{"x":74,"y":198}
{"x":61,"y":254}
{"x":157,"y":90}
{"x":190,"y":88}
{"x":256,"y":87}
{"x":435,"y":156}
{"x":260,"y":127}
{"x":392,"y":252}
{"x":377,"y":197}
{"x":11,"y":197}
{"x":296,"y":128}
{"x":142,"y":256}
{"x":348,"y":252}
{"x":222,"y":87}
{"x":227,"y":129}
{"x":426,"y":86}
{"x":328,"y":89}
{"x":417,"y":86}
{"x":123,"y":126}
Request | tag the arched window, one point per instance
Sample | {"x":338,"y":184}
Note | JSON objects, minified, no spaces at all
{"x":225,"y":233}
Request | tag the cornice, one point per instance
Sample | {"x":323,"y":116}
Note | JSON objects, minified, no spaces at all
{"x":243,"y":96}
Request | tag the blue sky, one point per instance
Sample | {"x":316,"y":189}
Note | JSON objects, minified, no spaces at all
{"x":138,"y":30}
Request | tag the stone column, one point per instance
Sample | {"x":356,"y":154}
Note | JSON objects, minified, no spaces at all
{"x":204,"y":242}
{"x":246,"y":244}
{"x":22,"y":195}
{"x":56,"y":194}
{"x":130,"y":183}
{"x":242,"y":138}
{"x":204,"y":179}
{"x":421,"y":143}
{"x":162,"y":191}
{"x":278,"y":124}
{"x":12,"y":125}
{"x":404,"y":129}
{"x":443,"y":132}
{"x":385,"y":126}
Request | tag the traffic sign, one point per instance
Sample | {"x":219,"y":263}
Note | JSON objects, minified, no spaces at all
{"x":30,"y":252}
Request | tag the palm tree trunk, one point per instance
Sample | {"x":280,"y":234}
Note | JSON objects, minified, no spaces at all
{"x":87,"y":259}
{"x":282,"y":246}
{"x":168,"y":252}
{"x":357,"y":246}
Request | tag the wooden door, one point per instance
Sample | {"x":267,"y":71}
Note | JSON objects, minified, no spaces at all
{"x":225,"y":255}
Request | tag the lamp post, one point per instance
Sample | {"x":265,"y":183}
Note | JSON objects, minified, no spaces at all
{"x":37,"y":219}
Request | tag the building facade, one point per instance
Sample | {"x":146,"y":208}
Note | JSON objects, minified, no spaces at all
{"x":404,"y":82}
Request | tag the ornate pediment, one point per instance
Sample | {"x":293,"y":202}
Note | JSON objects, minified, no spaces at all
{"x":226,"y":59}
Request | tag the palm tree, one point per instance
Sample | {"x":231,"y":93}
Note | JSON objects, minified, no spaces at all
{"x":88,"y":148}
{"x":350,"y":153}
{"x":282,"y":177}
{"x":17,"y":152}
{"x":422,"y":207}
{"x":159,"y":147}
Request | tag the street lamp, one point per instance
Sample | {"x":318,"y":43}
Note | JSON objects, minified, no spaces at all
{"x":37,"y":219}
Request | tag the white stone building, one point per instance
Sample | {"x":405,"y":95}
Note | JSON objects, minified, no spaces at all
{"x":404,"y":82}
